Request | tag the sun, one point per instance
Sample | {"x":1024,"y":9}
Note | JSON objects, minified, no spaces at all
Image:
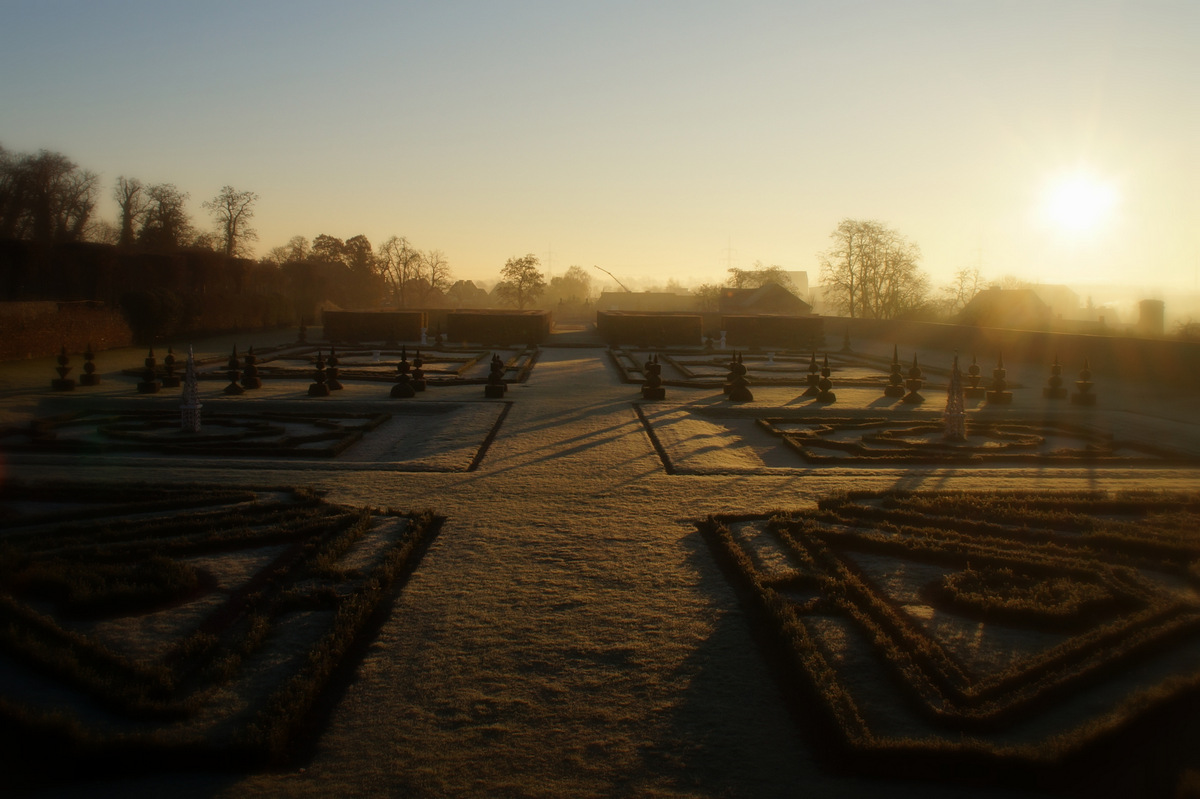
{"x":1079,"y":202}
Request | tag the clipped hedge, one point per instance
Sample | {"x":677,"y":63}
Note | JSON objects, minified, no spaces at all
{"x":801,"y":333}
{"x":383,"y":326}
{"x":646,"y":329}
{"x":1074,"y":580}
{"x":498,"y":328}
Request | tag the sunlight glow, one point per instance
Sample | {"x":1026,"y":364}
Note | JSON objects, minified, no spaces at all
{"x":1079,"y":202}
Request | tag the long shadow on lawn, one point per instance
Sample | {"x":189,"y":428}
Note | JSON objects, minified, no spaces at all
{"x":575,"y":445}
{"x":727,"y":735}
{"x":741,"y":728}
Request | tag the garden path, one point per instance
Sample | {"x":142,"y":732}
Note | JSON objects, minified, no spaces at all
{"x":569,"y":634}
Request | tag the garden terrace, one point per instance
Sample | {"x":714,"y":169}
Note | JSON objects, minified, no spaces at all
{"x":571,"y":634}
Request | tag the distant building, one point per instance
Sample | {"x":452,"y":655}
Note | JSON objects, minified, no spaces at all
{"x":769,"y":298}
{"x":1063,"y":301}
{"x":1151,"y":317}
{"x":1014,"y":309}
{"x":646,"y":301}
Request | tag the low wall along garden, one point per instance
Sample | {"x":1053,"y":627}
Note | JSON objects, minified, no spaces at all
{"x":41,"y":329}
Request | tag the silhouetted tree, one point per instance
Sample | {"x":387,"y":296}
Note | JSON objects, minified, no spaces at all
{"x":399,"y":264}
{"x":358,"y":256}
{"x":520,"y":281}
{"x":297,"y":249}
{"x":329,"y":249}
{"x":45,"y":197}
{"x":871,"y":271}
{"x":233,"y":210}
{"x":574,"y":286}
{"x":358,"y":282}
{"x":957,"y":293}
{"x":132,"y":202}
{"x":434,"y":277}
{"x":465,"y":294}
{"x":708,"y":296}
{"x":758,"y":276}
{"x":166,"y":225}
{"x":1012,"y":282}
{"x":103,"y":232}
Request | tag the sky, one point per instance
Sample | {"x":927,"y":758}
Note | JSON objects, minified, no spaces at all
{"x":1052,"y":140}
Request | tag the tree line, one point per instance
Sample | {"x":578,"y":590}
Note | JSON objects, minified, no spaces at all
{"x":49,"y":200}
{"x":869,"y":270}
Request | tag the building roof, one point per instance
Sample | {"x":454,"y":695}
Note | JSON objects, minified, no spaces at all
{"x":1019,"y":309}
{"x":767,"y":298}
{"x":646,"y":301}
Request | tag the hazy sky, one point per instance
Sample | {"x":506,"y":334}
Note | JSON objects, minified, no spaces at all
{"x":652,"y":139}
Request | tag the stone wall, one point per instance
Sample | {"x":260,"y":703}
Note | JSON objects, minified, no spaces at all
{"x":40,"y":329}
{"x":1169,"y":361}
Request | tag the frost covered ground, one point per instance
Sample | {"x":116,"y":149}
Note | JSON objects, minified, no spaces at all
{"x":568,"y":633}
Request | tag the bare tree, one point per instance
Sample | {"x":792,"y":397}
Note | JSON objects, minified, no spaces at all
{"x":758,"y":276}
{"x":957,"y":293}
{"x":708,"y":296}
{"x":133,"y":203}
{"x":166,"y":225}
{"x":433,"y":275}
{"x":573,"y":286}
{"x":871,"y":270}
{"x":233,"y":211}
{"x":9,"y":193}
{"x":842,"y":265}
{"x":297,"y":249}
{"x":207,"y":241}
{"x":103,"y":232}
{"x":399,"y":264}
{"x":73,"y":204}
{"x":520,"y":281}
{"x":45,"y":197}
{"x":1013,"y":282}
